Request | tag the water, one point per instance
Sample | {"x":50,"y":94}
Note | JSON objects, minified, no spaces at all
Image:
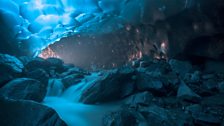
{"x":70,"y":110}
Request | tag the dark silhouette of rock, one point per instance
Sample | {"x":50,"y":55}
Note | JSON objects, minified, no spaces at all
{"x":10,"y":64}
{"x":24,"y":89}
{"x":55,"y":62}
{"x":204,"y":117}
{"x":146,"y":82}
{"x":180,"y":67}
{"x":143,"y":98}
{"x":37,"y":63}
{"x":72,"y":79}
{"x":216,"y":100}
{"x":109,"y":87}
{"x":157,"y":116}
{"x":27,"y":113}
{"x":185,"y":93}
{"x":10,"y":67}
{"x":221,"y":87}
{"x":120,"y":118}
{"x":38,"y":74}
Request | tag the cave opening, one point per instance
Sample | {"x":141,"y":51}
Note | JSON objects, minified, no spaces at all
{"x":109,"y":50}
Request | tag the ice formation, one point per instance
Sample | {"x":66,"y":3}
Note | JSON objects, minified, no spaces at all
{"x":31,"y":25}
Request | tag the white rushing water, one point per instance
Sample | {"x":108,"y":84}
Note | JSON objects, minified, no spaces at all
{"x":70,"y":110}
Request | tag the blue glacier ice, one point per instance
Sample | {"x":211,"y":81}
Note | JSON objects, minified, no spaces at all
{"x":31,"y":25}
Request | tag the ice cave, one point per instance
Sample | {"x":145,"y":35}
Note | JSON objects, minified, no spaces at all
{"x":111,"y":63}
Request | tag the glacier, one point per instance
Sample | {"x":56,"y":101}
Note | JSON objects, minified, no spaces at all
{"x":32,"y":25}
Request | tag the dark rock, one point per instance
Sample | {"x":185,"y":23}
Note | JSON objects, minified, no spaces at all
{"x":10,"y":68}
{"x":210,"y":84}
{"x":195,"y":77}
{"x":216,"y":100}
{"x":73,"y":70}
{"x":37,"y":63}
{"x":158,"y":67}
{"x":157,"y":116}
{"x":171,"y":78}
{"x":108,"y":87}
{"x":72,"y":79}
{"x":179,"y":118}
{"x":143,"y":98}
{"x":180,"y":67}
{"x":24,"y":88}
{"x":55,"y":62}
{"x":10,"y":64}
{"x":185,"y":93}
{"x":208,"y":76}
{"x":144,"y":64}
{"x":206,"y":119}
{"x":201,"y":117}
{"x":214,"y":66}
{"x":221,"y":87}
{"x":122,"y":118}
{"x":136,"y":63}
{"x":146,"y":82}
{"x":171,"y":102}
{"x":5,"y":78}
{"x":38,"y":74}
{"x":25,"y":59}
{"x":46,"y":64}
{"x":27,"y":113}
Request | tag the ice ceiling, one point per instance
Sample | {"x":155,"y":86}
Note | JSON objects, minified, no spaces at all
{"x":29,"y":26}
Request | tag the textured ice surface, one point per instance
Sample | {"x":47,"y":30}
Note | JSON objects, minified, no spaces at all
{"x":31,"y":25}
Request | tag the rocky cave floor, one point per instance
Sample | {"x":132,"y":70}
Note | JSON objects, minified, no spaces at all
{"x":152,"y":92}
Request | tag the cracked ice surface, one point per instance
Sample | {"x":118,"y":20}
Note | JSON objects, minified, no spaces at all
{"x":28,"y":26}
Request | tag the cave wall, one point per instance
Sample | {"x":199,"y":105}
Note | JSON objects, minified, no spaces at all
{"x":191,"y":33}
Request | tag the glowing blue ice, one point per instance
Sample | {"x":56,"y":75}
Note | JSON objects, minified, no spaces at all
{"x":51,"y":20}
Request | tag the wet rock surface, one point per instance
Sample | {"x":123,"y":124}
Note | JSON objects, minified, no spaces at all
{"x":27,"y":113}
{"x":112,"y":85}
{"x":10,"y":67}
{"x":156,"y":93}
{"x":25,"y":89}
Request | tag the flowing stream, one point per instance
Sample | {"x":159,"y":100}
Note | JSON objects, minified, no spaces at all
{"x":66,"y":104}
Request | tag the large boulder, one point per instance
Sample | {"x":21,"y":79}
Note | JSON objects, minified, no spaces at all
{"x":185,"y":93}
{"x":24,"y":88}
{"x":180,"y":67}
{"x":27,"y":113}
{"x":37,"y":63}
{"x":112,"y":85}
{"x":221,"y":87}
{"x":10,"y":64}
{"x":143,"y":98}
{"x":123,"y":117}
{"x":146,"y":82}
{"x":210,"y":116}
{"x":38,"y":74}
{"x":157,"y":116}
{"x":10,"y":67}
{"x":72,"y":79}
{"x":52,"y":66}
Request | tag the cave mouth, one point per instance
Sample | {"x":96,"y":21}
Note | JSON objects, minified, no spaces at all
{"x":109,"y":50}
